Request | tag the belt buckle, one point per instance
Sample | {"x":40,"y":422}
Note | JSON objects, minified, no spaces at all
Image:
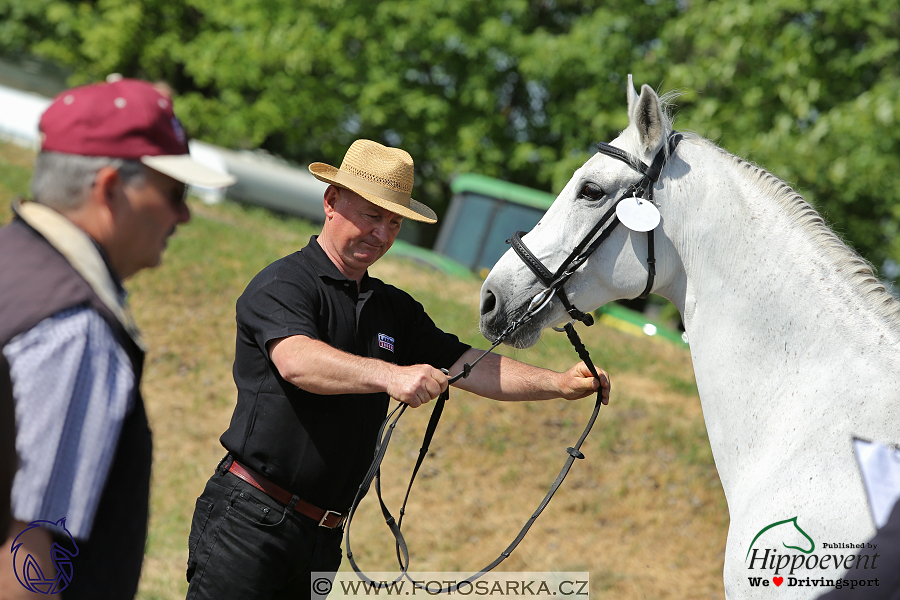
{"x":325,"y":516}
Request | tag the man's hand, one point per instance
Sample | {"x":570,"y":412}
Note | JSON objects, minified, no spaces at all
{"x":416,"y":385}
{"x":578,"y":382}
{"x":503,"y":378}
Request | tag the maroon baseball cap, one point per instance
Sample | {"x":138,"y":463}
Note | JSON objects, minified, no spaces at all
{"x":129,"y":119}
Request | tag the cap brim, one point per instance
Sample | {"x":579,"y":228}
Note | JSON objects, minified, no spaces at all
{"x":185,"y":169}
{"x":416,"y":210}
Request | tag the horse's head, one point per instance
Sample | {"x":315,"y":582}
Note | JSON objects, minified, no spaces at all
{"x":617,"y":268}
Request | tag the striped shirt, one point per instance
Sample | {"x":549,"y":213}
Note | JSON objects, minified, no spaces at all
{"x":72,"y":384}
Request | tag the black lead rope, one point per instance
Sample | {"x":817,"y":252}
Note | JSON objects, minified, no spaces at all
{"x":374,"y":472}
{"x":384,"y":436}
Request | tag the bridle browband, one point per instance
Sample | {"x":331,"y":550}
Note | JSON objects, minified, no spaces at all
{"x":643,"y":189}
{"x":554,"y":283}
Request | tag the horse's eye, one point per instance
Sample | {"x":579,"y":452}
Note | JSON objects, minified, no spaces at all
{"x":592,"y":191}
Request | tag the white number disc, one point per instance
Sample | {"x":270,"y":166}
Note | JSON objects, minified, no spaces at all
{"x":637,"y":214}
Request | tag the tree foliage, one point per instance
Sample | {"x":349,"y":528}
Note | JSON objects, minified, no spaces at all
{"x":811,"y":91}
{"x":518,"y":89}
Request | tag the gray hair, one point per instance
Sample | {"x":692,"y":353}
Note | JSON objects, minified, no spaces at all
{"x":63,"y":181}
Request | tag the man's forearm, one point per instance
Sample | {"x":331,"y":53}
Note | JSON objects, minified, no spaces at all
{"x":319,"y":368}
{"x":502,"y":378}
{"x":316,"y":367}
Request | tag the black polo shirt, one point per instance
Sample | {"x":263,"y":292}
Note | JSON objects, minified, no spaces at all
{"x":320,"y":447}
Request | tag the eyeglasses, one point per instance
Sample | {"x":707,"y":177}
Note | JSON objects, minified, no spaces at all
{"x":179,"y":194}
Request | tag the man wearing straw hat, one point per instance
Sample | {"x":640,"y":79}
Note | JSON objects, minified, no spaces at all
{"x":321,"y":347}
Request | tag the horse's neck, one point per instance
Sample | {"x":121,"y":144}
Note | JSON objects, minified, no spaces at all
{"x":757,"y":282}
{"x":776,"y":331}
{"x":785,"y":348}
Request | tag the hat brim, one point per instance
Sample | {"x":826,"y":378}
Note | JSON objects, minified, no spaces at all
{"x":415,"y":211}
{"x":185,"y":169}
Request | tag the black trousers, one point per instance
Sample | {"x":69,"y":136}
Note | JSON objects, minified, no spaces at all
{"x":246,"y":545}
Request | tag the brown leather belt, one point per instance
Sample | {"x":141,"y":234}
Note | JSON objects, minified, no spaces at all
{"x":325,"y":518}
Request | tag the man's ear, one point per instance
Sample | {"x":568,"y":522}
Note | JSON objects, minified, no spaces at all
{"x":102,"y":205}
{"x":329,"y":202}
{"x":104,"y":192}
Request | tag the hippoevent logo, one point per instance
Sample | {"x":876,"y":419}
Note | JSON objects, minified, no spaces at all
{"x":29,"y":572}
{"x":805,"y":566}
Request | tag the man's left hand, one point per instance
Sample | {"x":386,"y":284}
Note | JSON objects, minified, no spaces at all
{"x":578,"y":383}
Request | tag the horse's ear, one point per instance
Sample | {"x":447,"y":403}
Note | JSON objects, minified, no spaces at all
{"x":632,"y":96}
{"x":647,"y":117}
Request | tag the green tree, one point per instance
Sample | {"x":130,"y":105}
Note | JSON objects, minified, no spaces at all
{"x":808,"y":89}
{"x":509,"y":88}
{"x":518,"y":89}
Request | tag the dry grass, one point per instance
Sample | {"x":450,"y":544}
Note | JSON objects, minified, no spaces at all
{"x":644,"y":513}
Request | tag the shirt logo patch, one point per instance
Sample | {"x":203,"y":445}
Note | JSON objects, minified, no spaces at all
{"x":386,"y":342}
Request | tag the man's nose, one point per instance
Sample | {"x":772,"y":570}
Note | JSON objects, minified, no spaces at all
{"x":380,"y":231}
{"x":183,"y":212}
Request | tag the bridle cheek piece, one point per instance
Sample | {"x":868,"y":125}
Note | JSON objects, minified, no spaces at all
{"x":643,"y":190}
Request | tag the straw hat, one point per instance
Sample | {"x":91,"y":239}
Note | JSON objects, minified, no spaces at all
{"x":381,"y":175}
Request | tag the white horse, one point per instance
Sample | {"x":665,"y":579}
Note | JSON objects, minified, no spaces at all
{"x":795,"y":343}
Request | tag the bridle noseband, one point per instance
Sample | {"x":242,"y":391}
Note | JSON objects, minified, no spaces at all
{"x":643,"y":189}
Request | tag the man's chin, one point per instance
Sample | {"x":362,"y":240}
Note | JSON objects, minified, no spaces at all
{"x":370,"y":256}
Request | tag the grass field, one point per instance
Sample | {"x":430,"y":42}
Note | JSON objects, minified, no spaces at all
{"x":644,"y":513}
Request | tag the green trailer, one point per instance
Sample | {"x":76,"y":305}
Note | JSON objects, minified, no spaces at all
{"x":483,"y":213}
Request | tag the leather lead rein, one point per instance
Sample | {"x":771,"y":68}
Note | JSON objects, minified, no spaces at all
{"x":394,"y":525}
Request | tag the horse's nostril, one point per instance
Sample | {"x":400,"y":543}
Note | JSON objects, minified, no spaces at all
{"x":488,"y":303}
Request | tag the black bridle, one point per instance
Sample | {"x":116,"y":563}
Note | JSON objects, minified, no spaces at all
{"x":642,"y":189}
{"x":554,"y":283}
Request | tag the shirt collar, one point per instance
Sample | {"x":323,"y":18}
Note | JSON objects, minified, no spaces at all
{"x":120,"y":287}
{"x":324,"y":267}
{"x":84,"y":255}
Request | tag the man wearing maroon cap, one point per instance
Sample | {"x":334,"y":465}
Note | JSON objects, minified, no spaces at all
{"x":108,"y":190}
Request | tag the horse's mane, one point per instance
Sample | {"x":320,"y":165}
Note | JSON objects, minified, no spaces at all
{"x":859,"y":272}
